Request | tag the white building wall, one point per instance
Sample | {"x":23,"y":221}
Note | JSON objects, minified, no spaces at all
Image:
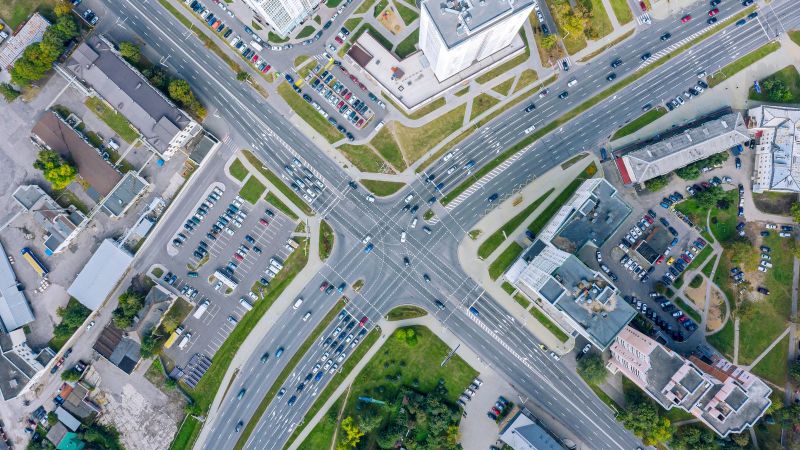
{"x":282,"y":15}
{"x":446,"y":62}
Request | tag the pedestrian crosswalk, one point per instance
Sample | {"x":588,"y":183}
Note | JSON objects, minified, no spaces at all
{"x":674,"y":46}
{"x":644,"y":19}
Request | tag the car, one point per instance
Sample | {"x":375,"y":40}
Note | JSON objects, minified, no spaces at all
{"x":586,"y":348}
{"x":646,"y":56}
{"x":239,"y":426}
{"x":241,"y":394}
{"x":762,"y":290}
{"x":643,"y":6}
{"x":563,"y":95}
{"x":565,"y":65}
{"x":426,"y":277}
{"x":323,"y":286}
{"x":492,"y":198}
{"x":89,"y":327}
{"x":616,"y":63}
{"x":738,"y":163}
{"x":752,"y":15}
{"x":712,"y":20}
{"x":740,"y":22}
{"x":713,"y":12}
{"x":686,"y":18}
{"x":491,"y":415}
{"x":291,"y":401}
{"x":363,"y":321}
{"x":665,"y":36}
{"x":611,"y":77}
{"x":341,"y":287}
{"x":530,"y":108}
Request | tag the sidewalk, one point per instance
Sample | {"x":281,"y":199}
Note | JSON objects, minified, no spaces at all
{"x":269,"y":319}
{"x":558,"y":179}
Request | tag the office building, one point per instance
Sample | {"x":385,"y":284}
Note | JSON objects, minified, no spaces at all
{"x":725,"y":397}
{"x":283,"y":15}
{"x":455,"y":34}
{"x":777,"y":148}
{"x":551,"y":271}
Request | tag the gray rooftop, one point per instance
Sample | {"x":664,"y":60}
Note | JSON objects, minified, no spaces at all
{"x":458,"y":20}
{"x":777,"y":165}
{"x":692,"y":145}
{"x":522,"y":433}
{"x":67,"y":419}
{"x":100,"y":275}
{"x":122,"y":86}
{"x":14,"y":308}
{"x":126,"y":191}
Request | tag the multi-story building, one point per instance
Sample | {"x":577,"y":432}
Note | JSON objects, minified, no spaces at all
{"x":777,"y":148}
{"x":551,"y":272}
{"x":727,"y":398}
{"x":164,"y":127}
{"x":61,"y":224}
{"x":455,"y":34}
{"x":283,"y":15}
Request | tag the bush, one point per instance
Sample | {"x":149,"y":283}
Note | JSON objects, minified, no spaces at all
{"x":9,"y":93}
{"x":693,"y":170}
{"x":38,"y":58}
{"x":657,"y":183}
{"x":72,"y":316}
{"x":592,"y":369}
{"x":130,"y":52}
{"x":70,"y":375}
{"x":129,"y":304}
{"x":55,"y":169}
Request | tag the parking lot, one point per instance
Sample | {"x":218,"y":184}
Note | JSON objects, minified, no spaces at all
{"x":223,"y":249}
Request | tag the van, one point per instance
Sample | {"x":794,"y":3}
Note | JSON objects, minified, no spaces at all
{"x":306,"y":316}
{"x":246,"y":304}
{"x":275,"y":263}
{"x":408,"y":198}
{"x":256,"y":45}
{"x":298,"y":302}
{"x":379,"y":125}
{"x":572,"y":82}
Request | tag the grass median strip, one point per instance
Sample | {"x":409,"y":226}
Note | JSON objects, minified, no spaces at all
{"x":505,"y":259}
{"x":382,"y":188}
{"x":278,"y":183}
{"x":639,"y":122}
{"x":742,"y":63}
{"x":547,"y":323}
{"x":406,"y":312}
{"x":273,"y":200}
{"x":326,"y":240}
{"x":580,"y":109}
{"x":308,"y":113}
{"x":336,"y":381}
{"x":287,"y":370}
{"x":498,"y":237}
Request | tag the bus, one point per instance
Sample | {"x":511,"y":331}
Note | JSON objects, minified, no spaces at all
{"x":34,"y":262}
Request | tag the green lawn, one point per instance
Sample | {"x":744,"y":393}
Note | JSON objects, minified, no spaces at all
{"x":276,"y":38}
{"x":407,"y":14}
{"x":504,"y":87}
{"x":415,"y":142}
{"x":203,"y":394}
{"x":464,"y":91}
{"x":363,"y":157}
{"x":547,"y":323}
{"x":252,"y":190}
{"x":326,"y":240}
{"x":790,"y":78}
{"x":691,"y":312}
{"x":498,"y":237}
{"x":779,"y":203}
{"x":408,"y":45}
{"x":347,"y":367}
{"x":639,"y":122}
{"x":774,"y":366}
{"x":481,"y":104}
{"x":572,"y":161}
{"x":287,"y":370}
{"x":307,"y":31}
{"x":386,"y":145}
{"x":519,"y":298}
{"x":420,"y":113}
{"x":379,"y":7}
{"x":622,"y":11}
{"x":527,"y":77}
{"x":278,"y":183}
{"x":542,"y":219}
{"x":333,"y":3}
{"x":599,"y":23}
{"x":709,"y":267}
{"x":382,"y":188}
{"x":187,"y":434}
{"x":794,"y":35}
{"x":308,"y":113}
{"x":15,"y":12}
{"x":351,"y":24}
{"x":406,"y":312}
{"x":113,"y":119}
{"x":504,"y":260}
{"x":743,"y":62}
{"x":273,"y":200}
{"x":321,"y":436}
{"x":508,"y":287}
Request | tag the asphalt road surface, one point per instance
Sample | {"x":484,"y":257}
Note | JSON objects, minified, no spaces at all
{"x":493,"y":334}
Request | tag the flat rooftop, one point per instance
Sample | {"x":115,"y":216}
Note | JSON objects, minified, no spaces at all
{"x":124,"y":193}
{"x":14,"y":308}
{"x":418,"y":84}
{"x":100,"y":275}
{"x":458,"y":20}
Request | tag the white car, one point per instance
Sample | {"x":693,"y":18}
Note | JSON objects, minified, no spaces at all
{"x":89,"y":327}
{"x":414,"y":223}
{"x":403,"y":237}
{"x":530,"y":129}
{"x":370,"y":198}
{"x":586,"y":348}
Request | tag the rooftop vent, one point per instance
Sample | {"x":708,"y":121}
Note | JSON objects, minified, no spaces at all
{"x":724,"y":124}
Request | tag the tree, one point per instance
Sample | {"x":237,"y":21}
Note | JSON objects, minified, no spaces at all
{"x":352,"y":433}
{"x":642,"y":418}
{"x":8,"y":92}
{"x":657,"y":183}
{"x":693,"y":438}
{"x":131,"y":52}
{"x":52,"y":418}
{"x":65,"y":28}
{"x":592,"y":369}
{"x":243,"y":76}
{"x":743,"y":253}
{"x":180,"y":91}
{"x":795,"y":211}
{"x":794,"y":371}
{"x":71,"y":375}
{"x":707,"y":199}
{"x":62,"y":9}
{"x":549,"y":41}
{"x":776,"y":90}
{"x":130,"y":303}
{"x":741,"y":439}
{"x":55,"y":170}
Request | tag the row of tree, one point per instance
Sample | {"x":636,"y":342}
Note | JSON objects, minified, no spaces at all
{"x":38,"y":58}
{"x":693,"y":170}
{"x":175,"y":88}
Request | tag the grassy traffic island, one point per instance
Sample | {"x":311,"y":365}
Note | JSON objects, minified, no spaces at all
{"x":406,"y":312}
{"x":412,"y":400}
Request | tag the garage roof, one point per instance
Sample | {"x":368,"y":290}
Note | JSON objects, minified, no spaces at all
{"x":100,"y":275}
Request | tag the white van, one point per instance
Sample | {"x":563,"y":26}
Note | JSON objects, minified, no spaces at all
{"x":409,"y":197}
{"x":247,"y":305}
{"x":305,"y":318}
{"x":572,"y":82}
{"x":298,"y":302}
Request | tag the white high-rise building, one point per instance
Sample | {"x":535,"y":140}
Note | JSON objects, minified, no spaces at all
{"x":283,"y":15}
{"x":454,"y":34}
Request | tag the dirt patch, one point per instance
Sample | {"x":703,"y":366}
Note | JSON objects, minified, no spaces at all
{"x":774,"y":202}
{"x":391,"y":20}
{"x":142,"y":423}
{"x":697,"y":295}
{"x":716,"y":311}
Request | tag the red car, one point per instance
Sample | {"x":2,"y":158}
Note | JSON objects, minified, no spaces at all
{"x":495,"y":411}
{"x":682,"y":319}
{"x":686,"y":18}
{"x":238,"y":257}
{"x":648,"y":219}
{"x":323,"y":286}
{"x":339,"y":40}
{"x":266,"y":68}
{"x":363,"y":321}
{"x":686,"y":258}
{"x":255,"y":59}
{"x":643,"y":6}
{"x":660,"y":259}
{"x":701,"y":241}
{"x":263,"y":222}
{"x":713,"y":12}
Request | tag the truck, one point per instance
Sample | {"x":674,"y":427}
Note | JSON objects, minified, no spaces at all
{"x":256,"y":45}
{"x":30,"y":257}
{"x":201,"y":309}
{"x":173,"y":337}
{"x":185,"y":340}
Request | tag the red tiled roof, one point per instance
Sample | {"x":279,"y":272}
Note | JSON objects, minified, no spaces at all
{"x":626,"y":179}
